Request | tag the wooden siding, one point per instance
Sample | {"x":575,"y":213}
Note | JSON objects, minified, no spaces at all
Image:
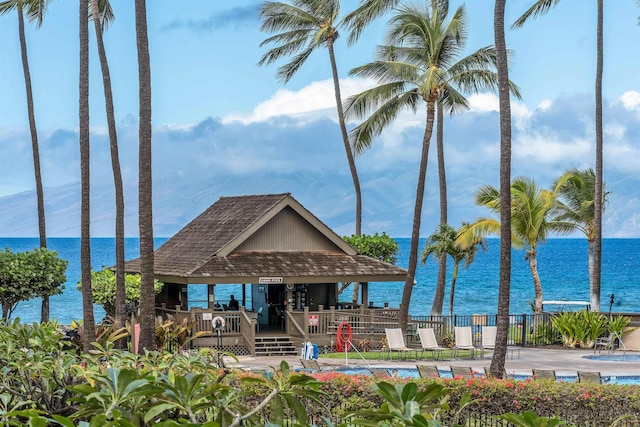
{"x":287,"y":231}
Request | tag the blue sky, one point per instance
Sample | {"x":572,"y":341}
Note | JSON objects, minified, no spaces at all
{"x":215,"y":112}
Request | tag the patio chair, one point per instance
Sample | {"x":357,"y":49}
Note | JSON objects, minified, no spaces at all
{"x":464,"y":341}
{"x":605,"y":343}
{"x":395,"y":342}
{"x":462,"y":371}
{"x":429,"y":342}
{"x":589,"y":377}
{"x":313,"y":365}
{"x":544,"y":374}
{"x":488,"y":339}
{"x":487,"y":373}
{"x":380,"y":373}
{"x":426,"y":371}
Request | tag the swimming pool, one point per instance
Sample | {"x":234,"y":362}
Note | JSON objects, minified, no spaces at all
{"x":614,"y":357}
{"x":444,"y":373}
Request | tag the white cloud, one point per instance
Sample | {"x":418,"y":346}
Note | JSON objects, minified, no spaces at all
{"x":630,"y":100}
{"x":311,"y":102}
{"x":489,"y":102}
{"x":547,"y":149}
{"x":544,"y":105}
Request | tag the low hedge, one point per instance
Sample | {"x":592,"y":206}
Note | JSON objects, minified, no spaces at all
{"x":578,"y":404}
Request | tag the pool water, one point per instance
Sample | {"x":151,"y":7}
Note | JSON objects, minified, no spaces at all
{"x":413,"y":373}
{"x":614,"y":357}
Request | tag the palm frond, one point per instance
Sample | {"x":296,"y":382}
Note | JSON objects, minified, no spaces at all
{"x":539,"y":8}
{"x":365,"y":13}
{"x":9,"y":6}
{"x":35,"y":11}
{"x":387,"y":71}
{"x":278,"y":16}
{"x":288,"y":70}
{"x":489,"y":197}
{"x":469,"y":234}
{"x":289,"y":48}
{"x":453,"y":101}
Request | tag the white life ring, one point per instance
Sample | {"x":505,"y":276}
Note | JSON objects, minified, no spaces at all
{"x":216,"y":320}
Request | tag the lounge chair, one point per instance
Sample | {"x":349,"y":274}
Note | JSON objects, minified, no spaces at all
{"x":544,"y":374}
{"x":605,"y":343}
{"x":487,"y":373}
{"x":589,"y":377}
{"x":429,"y":342}
{"x":380,"y":373}
{"x":464,"y":341}
{"x":462,"y":371}
{"x":395,"y":342}
{"x":313,"y":365}
{"x":426,"y":371}
{"x":488,"y":339}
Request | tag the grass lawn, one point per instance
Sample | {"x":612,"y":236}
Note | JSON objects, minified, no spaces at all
{"x":394,"y":355}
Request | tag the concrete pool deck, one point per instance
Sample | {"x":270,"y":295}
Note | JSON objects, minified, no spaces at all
{"x":563,"y":361}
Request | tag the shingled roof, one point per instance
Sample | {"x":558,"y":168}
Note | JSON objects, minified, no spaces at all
{"x":206,"y":249}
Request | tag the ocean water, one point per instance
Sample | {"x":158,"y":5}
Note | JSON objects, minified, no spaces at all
{"x":562,"y":264}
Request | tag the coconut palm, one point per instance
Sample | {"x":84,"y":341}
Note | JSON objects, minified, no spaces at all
{"x":304,"y":26}
{"x":418,"y":65}
{"x":85,"y":208}
{"x":442,"y":243}
{"x":102,"y":16}
{"x":531,"y":221}
{"x":502,"y":318}
{"x":541,"y":7}
{"x":35,"y":10}
{"x":145,"y":205}
{"x":576,"y":207}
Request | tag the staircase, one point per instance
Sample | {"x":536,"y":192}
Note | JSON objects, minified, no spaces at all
{"x":275,"y":346}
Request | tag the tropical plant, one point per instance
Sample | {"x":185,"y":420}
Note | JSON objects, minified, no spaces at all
{"x":575,"y":206}
{"x":145,"y":180}
{"x":378,"y":246}
{"x":35,"y":10}
{"x":307,"y":25}
{"x":580,"y":328}
{"x":442,"y":242}
{"x":104,"y":291}
{"x":502,"y":68}
{"x":102,"y":16}
{"x":531,"y":221}
{"x":85,"y":181}
{"x":169,"y":330}
{"x":107,"y":332}
{"x":30,"y":274}
{"x":530,"y":419}
{"x":541,"y":7}
{"x":417,"y":65}
{"x":406,"y":405}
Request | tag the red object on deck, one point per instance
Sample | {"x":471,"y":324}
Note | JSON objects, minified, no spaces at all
{"x":344,"y":337}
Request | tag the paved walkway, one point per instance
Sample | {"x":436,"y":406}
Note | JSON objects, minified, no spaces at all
{"x":564,"y":362}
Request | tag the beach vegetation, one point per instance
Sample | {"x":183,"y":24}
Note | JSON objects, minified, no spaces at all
{"x":104,"y":290}
{"x":443,"y":242}
{"x":30,"y":274}
{"x":418,"y":64}
{"x":531,"y":221}
{"x":378,"y":246}
{"x":580,"y":328}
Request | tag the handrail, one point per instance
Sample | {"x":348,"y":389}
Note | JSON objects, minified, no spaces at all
{"x":346,"y":354}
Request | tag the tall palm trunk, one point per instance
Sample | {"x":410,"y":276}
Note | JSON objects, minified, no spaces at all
{"x":85,"y":216}
{"x":403,"y":315}
{"x":347,"y":148}
{"x":115,"y":166}
{"x":345,"y":138}
{"x":502,"y":319}
{"x":42,"y":229}
{"x":537,"y":285}
{"x":452,"y":293}
{"x":145,"y":201}
{"x":438,"y":298}
{"x":597,"y":201}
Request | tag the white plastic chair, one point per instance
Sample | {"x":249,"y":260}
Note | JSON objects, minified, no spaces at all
{"x":429,"y":342}
{"x":395,"y":341}
{"x":488,"y":338}
{"x":464,"y":341}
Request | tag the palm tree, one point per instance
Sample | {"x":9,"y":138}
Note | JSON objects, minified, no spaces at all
{"x":85,"y":209}
{"x":418,"y":65}
{"x":145,"y":208}
{"x":307,"y":25}
{"x":442,"y":243}
{"x":102,"y":15}
{"x":504,"y":291}
{"x":531,"y":221}
{"x":35,"y":10}
{"x":541,"y":7}
{"x":578,"y":193}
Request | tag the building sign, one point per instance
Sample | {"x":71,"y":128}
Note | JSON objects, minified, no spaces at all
{"x":314,"y":320}
{"x":270,"y":280}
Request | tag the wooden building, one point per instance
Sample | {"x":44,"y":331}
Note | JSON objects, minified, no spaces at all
{"x":291,"y":263}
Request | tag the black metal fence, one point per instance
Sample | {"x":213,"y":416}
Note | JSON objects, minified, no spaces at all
{"x":524,"y":329}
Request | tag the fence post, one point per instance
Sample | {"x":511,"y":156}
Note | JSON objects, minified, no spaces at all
{"x":524,"y":330}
